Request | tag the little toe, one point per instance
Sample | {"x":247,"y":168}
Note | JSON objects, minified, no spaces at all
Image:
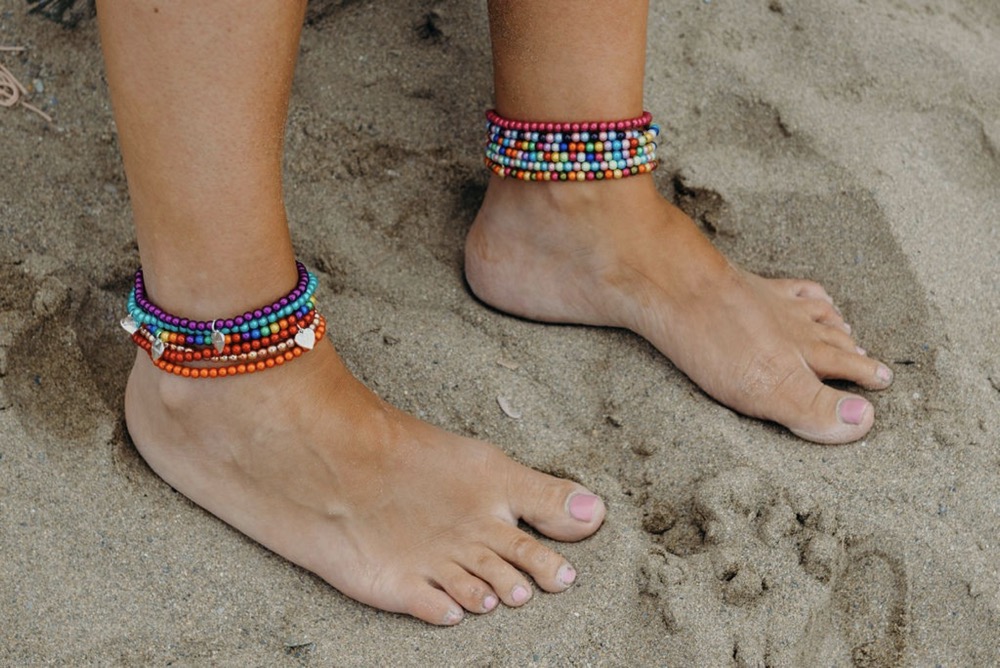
{"x":830,"y":362}
{"x":432,"y":606}
{"x":468,"y":590}
{"x":558,"y":508}
{"x":808,"y":289}
{"x":826,"y":313}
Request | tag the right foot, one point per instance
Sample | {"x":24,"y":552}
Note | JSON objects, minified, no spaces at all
{"x":391,"y":511}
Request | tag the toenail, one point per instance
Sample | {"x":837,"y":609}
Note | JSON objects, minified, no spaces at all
{"x":884,"y":373}
{"x":847,"y":328}
{"x":861,"y":351}
{"x":852,"y":410}
{"x":520,"y":594}
{"x":566,"y":575}
{"x":490,"y":602}
{"x":581,"y":506}
{"x":453,"y":616}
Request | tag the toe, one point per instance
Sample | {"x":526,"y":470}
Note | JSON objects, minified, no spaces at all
{"x":839,"y":339}
{"x":432,"y":605}
{"x":831,"y":362}
{"x":509,"y":583}
{"x":808,"y":290}
{"x":468,"y":590}
{"x":825,"y":312}
{"x":558,"y":508}
{"x":819,"y":413}
{"x":546,"y":567}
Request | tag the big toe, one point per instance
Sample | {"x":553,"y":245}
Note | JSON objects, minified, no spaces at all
{"x":558,"y":508}
{"x":817,"y":412}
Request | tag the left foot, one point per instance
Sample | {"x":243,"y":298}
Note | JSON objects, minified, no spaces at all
{"x":617,"y":254}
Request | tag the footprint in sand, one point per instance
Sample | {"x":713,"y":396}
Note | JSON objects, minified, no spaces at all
{"x":761,"y":578}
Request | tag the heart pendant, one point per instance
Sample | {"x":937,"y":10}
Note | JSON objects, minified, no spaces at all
{"x":128,"y":324}
{"x":305,"y":338}
{"x":218,"y":340}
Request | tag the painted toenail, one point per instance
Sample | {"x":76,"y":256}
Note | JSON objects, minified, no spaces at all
{"x":852,"y":411}
{"x":490,"y":602}
{"x":566,"y":575}
{"x":861,"y":351}
{"x":520,"y":594}
{"x":453,"y":617}
{"x":884,"y":373}
{"x":581,"y":507}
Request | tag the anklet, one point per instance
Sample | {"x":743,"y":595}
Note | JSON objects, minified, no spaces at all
{"x":576,"y":151}
{"x":254,"y":341}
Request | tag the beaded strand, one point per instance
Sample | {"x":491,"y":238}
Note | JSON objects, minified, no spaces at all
{"x":254,"y":341}
{"x":585,"y":151}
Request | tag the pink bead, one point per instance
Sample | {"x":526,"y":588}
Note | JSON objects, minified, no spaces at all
{"x":576,"y":128}
{"x":590,"y":176}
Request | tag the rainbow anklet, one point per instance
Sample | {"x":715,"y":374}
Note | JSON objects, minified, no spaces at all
{"x":254,"y":341}
{"x":584,"y":151}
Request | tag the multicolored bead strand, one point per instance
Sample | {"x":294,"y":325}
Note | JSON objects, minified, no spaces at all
{"x":576,"y":151}
{"x":255,"y":341}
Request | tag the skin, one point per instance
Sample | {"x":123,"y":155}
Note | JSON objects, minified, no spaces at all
{"x":303,"y":458}
{"x":391,"y":511}
{"x":618,"y":254}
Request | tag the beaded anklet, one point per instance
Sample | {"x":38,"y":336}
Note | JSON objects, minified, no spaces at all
{"x":585,"y":151}
{"x":255,"y":341}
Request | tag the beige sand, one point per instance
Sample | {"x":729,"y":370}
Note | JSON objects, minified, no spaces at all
{"x":857,"y":143}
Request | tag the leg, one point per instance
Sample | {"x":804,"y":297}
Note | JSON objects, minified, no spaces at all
{"x":302,"y":458}
{"x":616,"y":253}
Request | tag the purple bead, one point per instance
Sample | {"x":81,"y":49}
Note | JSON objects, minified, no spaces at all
{"x":267,"y":310}
{"x":239,"y":320}
{"x":258,"y":314}
{"x":183,"y":322}
{"x":284,"y":301}
{"x":230,"y":323}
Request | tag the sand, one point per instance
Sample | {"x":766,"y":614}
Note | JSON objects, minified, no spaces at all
{"x":855,"y":143}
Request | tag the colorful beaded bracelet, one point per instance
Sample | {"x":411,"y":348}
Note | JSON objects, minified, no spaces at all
{"x":146,"y":312}
{"x":255,"y":341}
{"x":575,"y":151}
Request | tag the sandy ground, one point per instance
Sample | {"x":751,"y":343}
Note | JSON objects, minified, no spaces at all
{"x":856,"y":143}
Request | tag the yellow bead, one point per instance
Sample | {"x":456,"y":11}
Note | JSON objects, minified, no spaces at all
{"x":274,"y":328}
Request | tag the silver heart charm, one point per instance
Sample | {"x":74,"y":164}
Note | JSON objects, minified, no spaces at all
{"x":157,"y":349}
{"x":218,"y":339}
{"x":128,"y":324}
{"x":305,"y":338}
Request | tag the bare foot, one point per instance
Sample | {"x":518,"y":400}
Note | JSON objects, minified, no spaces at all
{"x":616,"y":253}
{"x":391,"y":511}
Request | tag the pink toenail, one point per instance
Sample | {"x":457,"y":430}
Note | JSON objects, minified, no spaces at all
{"x":884,"y":373}
{"x":520,"y":594}
{"x":566,"y":575}
{"x":490,"y":602}
{"x":453,"y":617}
{"x":852,"y":411}
{"x":581,"y":507}
{"x":861,"y":351}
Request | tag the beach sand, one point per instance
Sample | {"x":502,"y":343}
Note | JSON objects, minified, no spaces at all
{"x":855,"y":143}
